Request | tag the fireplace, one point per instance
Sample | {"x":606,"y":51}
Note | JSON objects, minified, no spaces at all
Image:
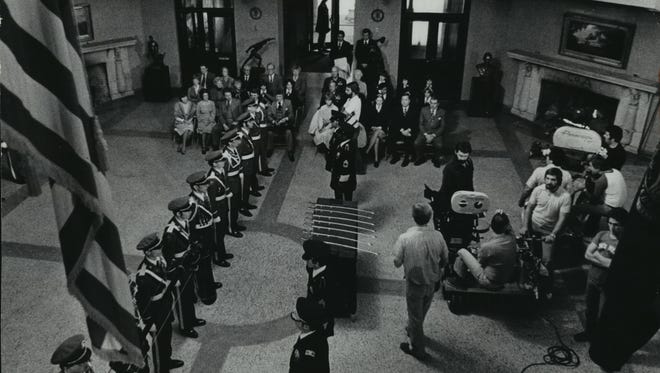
{"x":626,"y":101}
{"x":109,"y":69}
{"x":560,"y":100}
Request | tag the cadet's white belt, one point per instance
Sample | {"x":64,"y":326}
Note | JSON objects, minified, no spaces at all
{"x":233,"y":173}
{"x":249,"y":156}
{"x":180,"y":254}
{"x":220,"y":198}
{"x":263,"y":125}
{"x":217,"y":219}
{"x":159,"y":296}
{"x":256,"y":137}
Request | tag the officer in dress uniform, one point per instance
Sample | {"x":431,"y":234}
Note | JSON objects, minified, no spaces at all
{"x":73,"y":356}
{"x":155,"y":302}
{"x":247,"y":150}
{"x":220,"y":196}
{"x":182,"y":259}
{"x":341,"y":162}
{"x":234,"y":180}
{"x":258,"y":134}
{"x":202,"y":234}
{"x":310,"y":353}
{"x":320,"y":284}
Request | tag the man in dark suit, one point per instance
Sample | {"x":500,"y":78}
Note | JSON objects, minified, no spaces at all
{"x":342,"y":48}
{"x":431,"y":126}
{"x":280,"y":115}
{"x":249,"y":80}
{"x":228,"y":111}
{"x":299,"y":83}
{"x":367,"y":55}
{"x":403,"y":132}
{"x":272,"y":80}
{"x":205,"y":77}
{"x":334,"y":76}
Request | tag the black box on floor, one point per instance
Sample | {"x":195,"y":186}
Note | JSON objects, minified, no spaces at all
{"x":484,"y":96}
{"x":343,"y":251}
{"x":156,"y":83}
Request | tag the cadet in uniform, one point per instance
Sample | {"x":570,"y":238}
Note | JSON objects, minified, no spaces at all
{"x":246,"y":150}
{"x":341,"y":162}
{"x":310,"y":353}
{"x":234,"y":180}
{"x":258,"y":134}
{"x":320,"y":284}
{"x":181,"y":261}
{"x":155,"y":302}
{"x":202,"y":234}
{"x":72,"y":356}
{"x":220,"y":196}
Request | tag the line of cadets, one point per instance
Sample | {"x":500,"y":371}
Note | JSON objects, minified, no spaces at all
{"x":177,"y":270}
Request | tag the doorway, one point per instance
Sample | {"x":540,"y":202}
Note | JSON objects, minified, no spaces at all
{"x":433,"y":40}
{"x":206,"y":36}
{"x":301,"y":39}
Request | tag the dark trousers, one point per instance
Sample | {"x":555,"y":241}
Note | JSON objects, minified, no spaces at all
{"x":220,"y":231}
{"x":595,"y":297}
{"x":185,"y":300}
{"x":235,"y":201}
{"x":344,"y":195}
{"x":401,"y":144}
{"x":161,"y":347}
{"x":250,"y":182}
{"x":420,"y":145}
{"x":204,"y":281}
{"x":260,"y":153}
{"x":216,"y":134}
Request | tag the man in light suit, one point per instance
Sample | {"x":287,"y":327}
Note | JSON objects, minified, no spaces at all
{"x":228,"y":110}
{"x":272,"y":80}
{"x":280,"y":115}
{"x":431,"y":126}
{"x":205,"y":77}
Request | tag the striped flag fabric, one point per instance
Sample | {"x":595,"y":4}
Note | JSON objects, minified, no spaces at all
{"x":47,"y":115}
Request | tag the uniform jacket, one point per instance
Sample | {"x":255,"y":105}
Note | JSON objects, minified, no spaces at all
{"x":176,"y":245}
{"x":431,"y":123}
{"x":341,"y":161}
{"x":310,"y":354}
{"x":219,"y":194}
{"x":153,"y":297}
{"x":201,"y":222}
{"x":246,"y":150}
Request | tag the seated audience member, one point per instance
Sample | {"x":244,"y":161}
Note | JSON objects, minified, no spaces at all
{"x":599,"y":254}
{"x":338,"y":96}
{"x":405,"y":87}
{"x":556,"y":159}
{"x":431,"y":127}
{"x":378,"y":124}
{"x":238,"y":92}
{"x":272,"y":80}
{"x":334,"y":77}
{"x":546,"y":211}
{"x":194,"y":92}
{"x":205,"y":78}
{"x":384,"y":92}
{"x":352,"y":108}
{"x":383,"y":80}
{"x":249,"y":80}
{"x":253,"y":97}
{"x":228,"y":111}
{"x":495,"y":259}
{"x":357,"y":78}
{"x":216,"y":92}
{"x":322,"y":126}
{"x":205,"y":113}
{"x":428,"y":85}
{"x":426,"y":98}
{"x":184,"y":113}
{"x":291,"y":94}
{"x":280,"y":115}
{"x":613,"y":152}
{"x":225,"y":79}
{"x":609,"y":189}
{"x":264,"y":95}
{"x":403,"y":131}
{"x":342,"y":49}
{"x":299,"y":83}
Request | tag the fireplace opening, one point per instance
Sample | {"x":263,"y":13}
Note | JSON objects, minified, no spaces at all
{"x":580,"y":105}
{"x":98,"y":83}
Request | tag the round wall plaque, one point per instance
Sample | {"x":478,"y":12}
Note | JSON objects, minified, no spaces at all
{"x":377,"y":15}
{"x":255,"y":13}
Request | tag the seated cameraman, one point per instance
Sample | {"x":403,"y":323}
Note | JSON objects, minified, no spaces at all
{"x":495,"y":259}
{"x":546,"y":211}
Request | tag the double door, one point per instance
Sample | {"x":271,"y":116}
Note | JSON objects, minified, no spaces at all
{"x":433,"y":40}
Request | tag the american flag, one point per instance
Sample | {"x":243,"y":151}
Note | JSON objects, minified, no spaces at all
{"x":47,"y":115}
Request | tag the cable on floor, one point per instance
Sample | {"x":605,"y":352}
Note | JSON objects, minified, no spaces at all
{"x":560,"y":354}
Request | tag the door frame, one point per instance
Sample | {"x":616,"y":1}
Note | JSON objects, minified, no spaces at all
{"x":179,"y":15}
{"x":463,"y":19}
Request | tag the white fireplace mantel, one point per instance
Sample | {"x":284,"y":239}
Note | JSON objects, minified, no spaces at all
{"x":114,"y":54}
{"x":638,"y":98}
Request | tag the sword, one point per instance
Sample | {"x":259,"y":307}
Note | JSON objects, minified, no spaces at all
{"x":343,"y":225}
{"x":338,"y":237}
{"x":344,"y":219}
{"x":350,"y":247}
{"x":342,"y":230}
{"x":333,"y":211}
{"x":341,"y":207}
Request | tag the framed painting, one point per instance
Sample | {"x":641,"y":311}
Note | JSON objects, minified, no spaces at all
{"x":84,"y":22}
{"x":597,"y":40}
